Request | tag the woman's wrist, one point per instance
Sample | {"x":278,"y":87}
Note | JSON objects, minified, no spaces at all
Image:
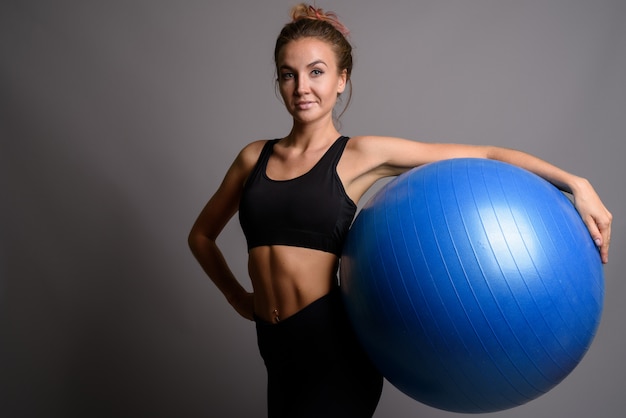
{"x":577,"y":184}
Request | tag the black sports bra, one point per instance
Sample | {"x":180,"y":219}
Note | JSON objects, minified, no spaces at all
{"x":312,"y":210}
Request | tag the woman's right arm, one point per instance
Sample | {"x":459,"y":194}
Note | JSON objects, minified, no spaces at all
{"x":214,"y":216}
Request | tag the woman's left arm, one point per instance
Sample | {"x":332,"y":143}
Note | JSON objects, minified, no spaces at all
{"x":385,"y":156}
{"x":591,"y":209}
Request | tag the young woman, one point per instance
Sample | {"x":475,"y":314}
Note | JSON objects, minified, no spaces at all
{"x":296,"y":199}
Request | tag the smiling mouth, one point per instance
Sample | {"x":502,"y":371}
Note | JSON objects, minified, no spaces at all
{"x":304,"y":105}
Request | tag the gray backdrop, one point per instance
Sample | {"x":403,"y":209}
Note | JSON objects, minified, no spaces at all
{"x":118,"y":120}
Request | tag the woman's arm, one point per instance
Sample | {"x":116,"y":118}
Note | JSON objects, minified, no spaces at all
{"x":384,"y":156}
{"x":203,"y":235}
{"x":594,"y":214}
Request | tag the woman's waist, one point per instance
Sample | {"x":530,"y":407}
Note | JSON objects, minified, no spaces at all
{"x":282,"y":303}
{"x":285,"y":281}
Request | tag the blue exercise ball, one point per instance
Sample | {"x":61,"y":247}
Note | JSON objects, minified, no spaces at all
{"x":473,"y":285}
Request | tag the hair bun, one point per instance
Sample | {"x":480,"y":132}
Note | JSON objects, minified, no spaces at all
{"x":306,"y":11}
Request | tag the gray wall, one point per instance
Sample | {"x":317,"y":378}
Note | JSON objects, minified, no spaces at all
{"x":118,"y":120}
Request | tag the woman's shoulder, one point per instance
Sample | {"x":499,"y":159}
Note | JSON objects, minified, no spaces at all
{"x":376,"y":140}
{"x":382,"y":145}
{"x":244,"y":163}
{"x":250,"y":153}
{"x":385,"y":155}
{"x":255,"y":146}
{"x":374,"y":143}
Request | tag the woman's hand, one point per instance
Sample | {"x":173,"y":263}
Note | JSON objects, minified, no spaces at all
{"x":595,"y":215}
{"x":243,"y":304}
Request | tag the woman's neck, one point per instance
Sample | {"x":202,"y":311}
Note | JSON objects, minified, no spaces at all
{"x":305,"y":135}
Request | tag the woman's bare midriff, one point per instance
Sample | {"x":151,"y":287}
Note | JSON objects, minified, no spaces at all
{"x":286,"y":279}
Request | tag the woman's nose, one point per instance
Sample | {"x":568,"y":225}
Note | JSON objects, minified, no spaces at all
{"x":302,"y":85}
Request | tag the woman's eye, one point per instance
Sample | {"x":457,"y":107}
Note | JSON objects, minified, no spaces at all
{"x":317,"y":72}
{"x":286,"y":76}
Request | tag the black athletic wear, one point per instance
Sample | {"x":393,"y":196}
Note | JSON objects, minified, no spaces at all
{"x":312,"y":210}
{"x":316,"y":367}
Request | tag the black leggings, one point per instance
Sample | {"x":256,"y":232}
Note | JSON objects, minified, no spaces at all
{"x":315,"y":365}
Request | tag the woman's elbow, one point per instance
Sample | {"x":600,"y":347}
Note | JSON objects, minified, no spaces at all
{"x":195,"y":239}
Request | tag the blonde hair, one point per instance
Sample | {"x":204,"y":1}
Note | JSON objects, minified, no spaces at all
{"x":310,"y":22}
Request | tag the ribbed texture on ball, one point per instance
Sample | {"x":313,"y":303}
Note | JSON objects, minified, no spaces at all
{"x":473,"y":284}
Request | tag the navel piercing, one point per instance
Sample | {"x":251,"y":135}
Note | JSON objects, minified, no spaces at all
{"x":276,"y":316}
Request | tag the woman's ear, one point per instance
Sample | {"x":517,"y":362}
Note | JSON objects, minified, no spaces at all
{"x":343,"y":79}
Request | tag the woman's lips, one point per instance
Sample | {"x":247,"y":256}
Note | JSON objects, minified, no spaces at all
{"x":304,"y":105}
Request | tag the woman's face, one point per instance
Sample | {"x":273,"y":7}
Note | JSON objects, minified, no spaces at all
{"x":308,"y":79}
